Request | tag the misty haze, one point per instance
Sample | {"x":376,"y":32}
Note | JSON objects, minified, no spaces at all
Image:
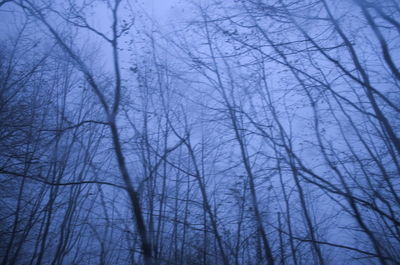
{"x":199,"y":132}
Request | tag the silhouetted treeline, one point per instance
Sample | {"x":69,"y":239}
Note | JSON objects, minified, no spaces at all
{"x":251,"y":132}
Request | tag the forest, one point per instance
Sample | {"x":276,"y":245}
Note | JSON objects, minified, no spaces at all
{"x":218,"y":132}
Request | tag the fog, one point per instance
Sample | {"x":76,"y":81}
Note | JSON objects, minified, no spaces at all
{"x":199,"y":132}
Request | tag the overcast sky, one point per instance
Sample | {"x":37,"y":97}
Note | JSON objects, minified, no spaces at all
{"x":165,"y":11}
{"x":160,"y":9}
